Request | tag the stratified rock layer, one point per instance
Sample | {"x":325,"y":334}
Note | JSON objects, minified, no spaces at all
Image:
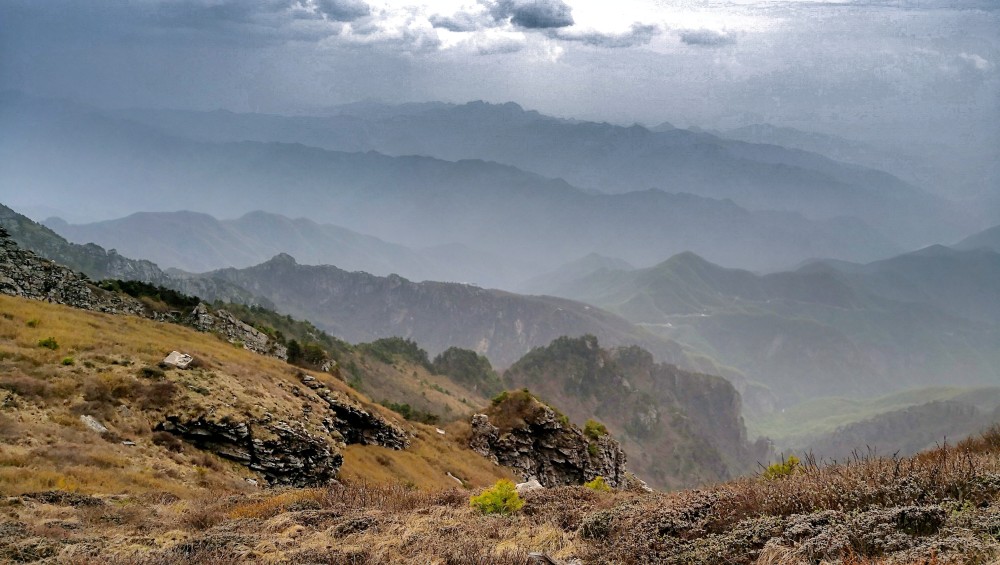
{"x":523,"y":433}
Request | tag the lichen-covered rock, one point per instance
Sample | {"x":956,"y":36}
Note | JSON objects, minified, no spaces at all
{"x":290,"y":456}
{"x":235,"y":330}
{"x":523,"y":433}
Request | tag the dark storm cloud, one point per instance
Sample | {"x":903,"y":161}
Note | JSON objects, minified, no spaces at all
{"x":533,"y":14}
{"x":706,"y":37}
{"x":343,"y":10}
{"x":638,"y":34}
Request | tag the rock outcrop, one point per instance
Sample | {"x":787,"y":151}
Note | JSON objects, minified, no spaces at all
{"x":295,"y":444}
{"x":521,"y":432}
{"x":24,"y":274}
{"x":290,"y":456}
{"x":236,"y":331}
{"x":678,"y":428}
{"x":292,"y":443}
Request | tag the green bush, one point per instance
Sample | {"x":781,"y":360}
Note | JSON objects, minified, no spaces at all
{"x":67,"y":361}
{"x":594,"y":429}
{"x":501,"y":498}
{"x":49,"y":343}
{"x":598,"y":484}
{"x":592,"y":449}
{"x":783,"y":469}
{"x":498,"y":399}
{"x":33,"y":323}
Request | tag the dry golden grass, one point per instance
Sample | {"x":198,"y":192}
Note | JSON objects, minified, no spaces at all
{"x":41,"y":401}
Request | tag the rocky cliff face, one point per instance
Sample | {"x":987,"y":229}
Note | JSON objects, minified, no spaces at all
{"x":24,"y":274}
{"x":234,"y":330}
{"x":678,"y":428}
{"x":523,"y":433}
{"x":293,"y":441}
{"x":295,"y":448}
{"x":93,"y":260}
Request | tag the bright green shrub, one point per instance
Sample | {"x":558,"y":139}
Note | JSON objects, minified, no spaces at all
{"x":594,"y":429}
{"x":783,"y":469}
{"x":48,"y":343}
{"x":501,"y":498}
{"x":598,"y":484}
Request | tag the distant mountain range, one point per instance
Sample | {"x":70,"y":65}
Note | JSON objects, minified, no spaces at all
{"x":197,"y":242}
{"x":988,"y":238}
{"x":829,"y":328}
{"x":599,"y":156}
{"x":63,"y":153}
{"x":502,"y":326}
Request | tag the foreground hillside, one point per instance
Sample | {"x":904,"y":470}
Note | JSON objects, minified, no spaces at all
{"x":938,"y":507}
{"x":91,"y":411}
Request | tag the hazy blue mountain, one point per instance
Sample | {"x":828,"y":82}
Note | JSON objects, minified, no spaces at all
{"x":61,"y":152}
{"x":988,"y":238}
{"x":198,"y":242}
{"x":600,"y":156}
{"x":908,"y":167}
{"x":500,"y":325}
{"x":89,"y":259}
{"x":569,"y":272}
{"x":961,"y":283}
{"x":98,"y":263}
{"x":820,"y":331}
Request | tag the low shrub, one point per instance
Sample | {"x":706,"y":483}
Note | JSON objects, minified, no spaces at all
{"x":783,"y":469}
{"x":594,"y":429}
{"x":48,"y":343}
{"x":598,"y":484}
{"x":501,"y":498}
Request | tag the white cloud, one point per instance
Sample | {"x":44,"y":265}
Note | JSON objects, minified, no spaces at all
{"x":976,"y":61}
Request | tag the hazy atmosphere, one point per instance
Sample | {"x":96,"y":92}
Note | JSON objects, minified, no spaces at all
{"x":918,"y":77}
{"x":336,"y":280}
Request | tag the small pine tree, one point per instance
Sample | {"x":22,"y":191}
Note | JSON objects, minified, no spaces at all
{"x":294,"y":352}
{"x":501,"y":498}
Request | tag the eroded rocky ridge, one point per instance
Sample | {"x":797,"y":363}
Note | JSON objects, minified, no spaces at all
{"x":523,"y":433}
{"x":24,"y":274}
{"x":292,"y":443}
{"x":288,"y":443}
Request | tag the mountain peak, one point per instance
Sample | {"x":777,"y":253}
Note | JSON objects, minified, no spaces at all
{"x":282,"y":259}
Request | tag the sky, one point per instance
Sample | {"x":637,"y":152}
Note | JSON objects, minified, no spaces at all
{"x":896,"y":72}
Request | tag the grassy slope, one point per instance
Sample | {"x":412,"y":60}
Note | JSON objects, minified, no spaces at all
{"x":41,"y":400}
{"x":795,"y":426}
{"x":939,"y":507}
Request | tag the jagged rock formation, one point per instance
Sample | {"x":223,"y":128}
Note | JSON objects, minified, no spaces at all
{"x":296,"y":444}
{"x":24,"y":274}
{"x":290,"y":443}
{"x":236,"y":331}
{"x":523,"y":433}
{"x":353,"y":423}
{"x":292,"y":457}
{"x":91,"y":259}
{"x":679,"y":428}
